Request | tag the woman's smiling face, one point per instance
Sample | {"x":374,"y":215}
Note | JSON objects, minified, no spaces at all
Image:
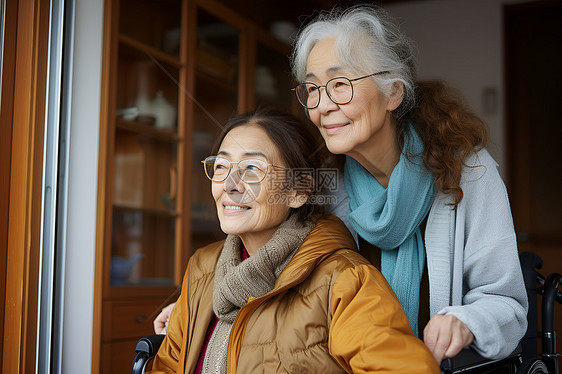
{"x":350,"y":127}
{"x":252,"y":211}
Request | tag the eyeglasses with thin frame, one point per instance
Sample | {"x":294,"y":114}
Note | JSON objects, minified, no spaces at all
{"x":249,"y":170}
{"x":338,"y":89}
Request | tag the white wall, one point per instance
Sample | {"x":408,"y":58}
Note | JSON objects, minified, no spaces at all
{"x":461,"y":42}
{"x":83,"y":178}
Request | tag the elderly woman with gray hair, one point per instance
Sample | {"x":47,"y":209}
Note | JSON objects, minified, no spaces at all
{"x":420,"y":182}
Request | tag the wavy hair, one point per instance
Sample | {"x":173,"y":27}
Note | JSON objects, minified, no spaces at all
{"x":450,"y":133}
{"x":368,"y":40}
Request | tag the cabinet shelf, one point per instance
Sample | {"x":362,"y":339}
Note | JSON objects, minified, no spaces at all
{"x":149,"y":211}
{"x":150,"y":282}
{"x":148,"y":131}
{"x":217,"y":82}
{"x":134,"y":292}
{"x":151,"y":51}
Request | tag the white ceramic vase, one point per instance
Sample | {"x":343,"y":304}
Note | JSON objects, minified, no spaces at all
{"x":163,"y":111}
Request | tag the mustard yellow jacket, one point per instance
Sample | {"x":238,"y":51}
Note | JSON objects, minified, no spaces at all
{"x":329,"y":312}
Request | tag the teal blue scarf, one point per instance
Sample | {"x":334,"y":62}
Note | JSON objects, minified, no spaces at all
{"x":390,"y":219}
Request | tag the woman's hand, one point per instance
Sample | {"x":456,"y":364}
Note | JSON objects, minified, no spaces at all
{"x":161,"y":322}
{"x":445,"y":336}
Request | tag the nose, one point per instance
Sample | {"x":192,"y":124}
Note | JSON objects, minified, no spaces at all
{"x":326,"y":104}
{"x":233,"y":182}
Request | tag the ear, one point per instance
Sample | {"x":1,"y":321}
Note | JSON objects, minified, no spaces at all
{"x":297,"y":199}
{"x":396,"y":96}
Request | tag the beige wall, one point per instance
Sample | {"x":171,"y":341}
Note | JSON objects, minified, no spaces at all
{"x":461,"y":41}
{"x":83,"y":179}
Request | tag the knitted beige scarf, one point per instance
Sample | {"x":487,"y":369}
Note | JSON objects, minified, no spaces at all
{"x":236,"y":281}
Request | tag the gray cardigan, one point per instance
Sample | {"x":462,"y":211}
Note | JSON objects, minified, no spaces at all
{"x":472,"y":259}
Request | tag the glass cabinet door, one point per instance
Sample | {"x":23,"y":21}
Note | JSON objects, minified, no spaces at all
{"x":146,"y":145}
{"x":155,"y":24}
{"x":216,"y":96}
{"x":273,"y":79}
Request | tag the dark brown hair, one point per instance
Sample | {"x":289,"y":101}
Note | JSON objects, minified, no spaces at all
{"x":298,"y":143}
{"x":449,"y":131}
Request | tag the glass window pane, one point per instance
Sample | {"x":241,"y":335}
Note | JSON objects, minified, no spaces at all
{"x":273,"y":79}
{"x":142,"y":248}
{"x":147,"y":90}
{"x":155,"y":26}
{"x":216,"y":92}
{"x":145,"y":172}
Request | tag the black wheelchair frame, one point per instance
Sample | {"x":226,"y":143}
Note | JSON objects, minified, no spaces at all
{"x":524,"y":360}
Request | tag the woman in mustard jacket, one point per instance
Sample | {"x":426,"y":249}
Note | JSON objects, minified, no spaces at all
{"x":286,"y":292}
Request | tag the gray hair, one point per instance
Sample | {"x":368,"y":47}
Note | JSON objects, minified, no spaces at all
{"x":368,"y":40}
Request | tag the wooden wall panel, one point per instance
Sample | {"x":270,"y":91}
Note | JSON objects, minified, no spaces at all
{"x":103,"y":220}
{"x":6,"y":113}
{"x":25,"y":129}
{"x":533,"y":131}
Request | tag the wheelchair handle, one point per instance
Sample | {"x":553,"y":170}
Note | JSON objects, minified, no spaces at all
{"x":550,"y":297}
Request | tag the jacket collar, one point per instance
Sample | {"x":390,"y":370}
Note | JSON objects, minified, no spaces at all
{"x":328,"y":236}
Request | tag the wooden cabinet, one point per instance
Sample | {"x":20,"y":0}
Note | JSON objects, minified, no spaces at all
{"x":173,"y":72}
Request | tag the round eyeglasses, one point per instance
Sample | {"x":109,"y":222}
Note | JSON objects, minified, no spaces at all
{"x":249,"y":170}
{"x":339,"y":90}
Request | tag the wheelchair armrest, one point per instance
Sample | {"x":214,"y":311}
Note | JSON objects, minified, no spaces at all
{"x":146,"y":349}
{"x":149,"y":344}
{"x":468,"y":359}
